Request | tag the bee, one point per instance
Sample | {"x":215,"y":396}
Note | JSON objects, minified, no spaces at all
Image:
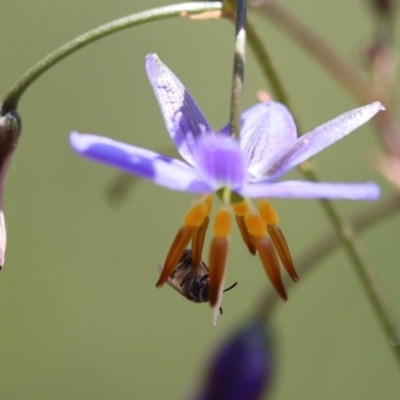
{"x":192,"y":283}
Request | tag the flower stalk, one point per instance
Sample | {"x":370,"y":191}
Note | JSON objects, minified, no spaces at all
{"x":13,"y":96}
{"x":238,"y":67}
{"x":366,"y":275}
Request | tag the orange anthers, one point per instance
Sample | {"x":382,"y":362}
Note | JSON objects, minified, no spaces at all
{"x":255,"y":225}
{"x":268,"y":212}
{"x":270,"y":263}
{"x":217,"y":269}
{"x":247,"y":238}
{"x":209,"y":201}
{"x":222,"y":224}
{"x":196,"y":215}
{"x":283,"y":250}
{"x":241,"y":208}
{"x":182,"y":239}
{"x":198,"y":242}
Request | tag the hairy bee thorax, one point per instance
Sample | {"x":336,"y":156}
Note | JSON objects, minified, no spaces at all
{"x":193,"y":283}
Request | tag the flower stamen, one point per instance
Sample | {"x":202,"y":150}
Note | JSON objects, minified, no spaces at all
{"x":223,"y":224}
{"x":267,"y":212}
{"x":181,"y":241}
{"x":246,"y":237}
{"x":270,"y":217}
{"x":217,"y":268}
{"x":198,"y":242}
{"x":270,"y":263}
{"x":194,"y":224}
{"x":282,"y":248}
{"x":197,"y":214}
{"x":241,"y":209}
{"x":203,"y":205}
{"x":255,"y":225}
{"x":218,"y":254}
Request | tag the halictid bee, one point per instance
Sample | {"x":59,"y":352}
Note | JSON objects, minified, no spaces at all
{"x":192,"y":283}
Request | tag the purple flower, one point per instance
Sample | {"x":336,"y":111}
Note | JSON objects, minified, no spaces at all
{"x":242,"y":366}
{"x":384,"y":6}
{"x":236,"y":170}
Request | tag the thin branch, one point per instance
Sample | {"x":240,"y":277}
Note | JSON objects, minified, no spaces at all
{"x":238,"y":68}
{"x":11,"y":100}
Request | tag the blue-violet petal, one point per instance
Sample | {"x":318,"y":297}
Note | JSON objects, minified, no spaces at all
{"x":267,"y":129}
{"x":313,"y":190}
{"x":318,"y":139}
{"x":162,"y":170}
{"x":183,"y":118}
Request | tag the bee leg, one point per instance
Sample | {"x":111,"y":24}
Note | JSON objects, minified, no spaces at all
{"x":230,"y":287}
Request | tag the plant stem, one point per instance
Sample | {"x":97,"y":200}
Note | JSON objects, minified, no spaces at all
{"x":238,"y":68}
{"x":12,"y":98}
{"x":364,"y":271}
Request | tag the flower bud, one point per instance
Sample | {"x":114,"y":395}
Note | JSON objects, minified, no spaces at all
{"x":384,"y":6}
{"x":242,"y":366}
{"x":10,"y":128}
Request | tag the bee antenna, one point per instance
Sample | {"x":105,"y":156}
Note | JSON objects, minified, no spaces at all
{"x":230,"y":287}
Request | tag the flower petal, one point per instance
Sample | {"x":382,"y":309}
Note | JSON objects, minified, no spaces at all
{"x":183,"y":118}
{"x":220,"y":161}
{"x":162,"y":170}
{"x":313,"y":190}
{"x":318,"y":139}
{"x":10,"y":130}
{"x":267,"y":129}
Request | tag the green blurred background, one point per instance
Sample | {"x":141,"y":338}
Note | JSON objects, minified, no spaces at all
{"x":80,"y":317}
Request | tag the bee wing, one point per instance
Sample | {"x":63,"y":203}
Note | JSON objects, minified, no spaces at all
{"x":184,"y":270}
{"x":202,"y":269}
{"x":175,"y":280}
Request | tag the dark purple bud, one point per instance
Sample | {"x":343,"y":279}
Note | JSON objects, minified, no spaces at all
{"x":242,"y":367}
{"x":384,"y":6}
{"x":10,"y":128}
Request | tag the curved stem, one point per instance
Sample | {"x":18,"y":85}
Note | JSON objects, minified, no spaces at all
{"x":12,"y":98}
{"x":238,"y":67}
{"x":374,"y":292}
